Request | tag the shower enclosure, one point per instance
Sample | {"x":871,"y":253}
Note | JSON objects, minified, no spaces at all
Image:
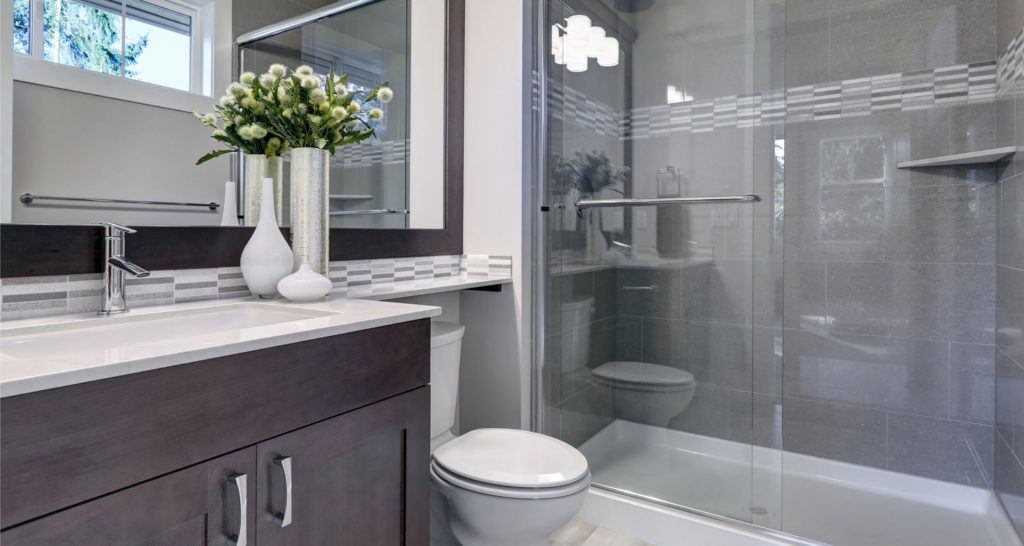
{"x":747,"y":308}
{"x":661,"y":316}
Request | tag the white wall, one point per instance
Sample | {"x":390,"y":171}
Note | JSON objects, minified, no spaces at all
{"x":6,"y":106}
{"x":496,"y":352}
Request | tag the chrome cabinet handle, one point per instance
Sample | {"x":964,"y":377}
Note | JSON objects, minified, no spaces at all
{"x":240,"y":481}
{"x":285,"y":518}
{"x":651,"y":288}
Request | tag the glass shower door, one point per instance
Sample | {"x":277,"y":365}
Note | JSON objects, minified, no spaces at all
{"x":660,"y":347}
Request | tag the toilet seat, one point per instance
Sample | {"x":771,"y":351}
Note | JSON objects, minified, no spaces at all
{"x":508,"y":458}
{"x":643,"y":376}
{"x":492,"y":490}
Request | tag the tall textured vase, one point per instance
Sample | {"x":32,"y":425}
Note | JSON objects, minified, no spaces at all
{"x":266,"y":258}
{"x":256,"y":168}
{"x":310,"y":223}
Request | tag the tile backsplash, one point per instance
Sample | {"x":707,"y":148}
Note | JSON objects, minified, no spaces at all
{"x":27,"y":297}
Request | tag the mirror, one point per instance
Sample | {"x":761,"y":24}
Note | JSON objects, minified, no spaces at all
{"x":106,"y":132}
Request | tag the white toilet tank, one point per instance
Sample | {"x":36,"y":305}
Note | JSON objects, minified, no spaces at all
{"x":445,"y":355}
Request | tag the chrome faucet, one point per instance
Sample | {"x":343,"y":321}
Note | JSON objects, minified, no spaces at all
{"x":116,"y":266}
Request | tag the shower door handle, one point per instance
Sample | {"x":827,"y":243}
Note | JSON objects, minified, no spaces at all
{"x":651,"y":288}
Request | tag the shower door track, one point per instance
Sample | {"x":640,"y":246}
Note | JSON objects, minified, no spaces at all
{"x":746,"y":526}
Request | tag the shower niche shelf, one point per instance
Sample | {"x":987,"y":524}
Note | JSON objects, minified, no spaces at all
{"x":969,"y":158}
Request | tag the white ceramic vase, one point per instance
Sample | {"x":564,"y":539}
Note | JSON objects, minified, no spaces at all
{"x":266,"y":258}
{"x":304,"y":285}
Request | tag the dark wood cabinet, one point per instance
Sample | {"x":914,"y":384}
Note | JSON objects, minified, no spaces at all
{"x":200,"y":505}
{"x":139,"y":459}
{"x":358,"y":479}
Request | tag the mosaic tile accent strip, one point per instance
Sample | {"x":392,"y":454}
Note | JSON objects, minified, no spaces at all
{"x":945,"y":86}
{"x":28,"y":297}
{"x":917,"y":90}
{"x":1010,"y":72}
{"x":375,"y":152}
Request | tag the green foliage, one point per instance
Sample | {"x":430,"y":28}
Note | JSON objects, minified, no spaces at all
{"x":22,"y":24}
{"x":88,"y":38}
{"x":588,"y":172}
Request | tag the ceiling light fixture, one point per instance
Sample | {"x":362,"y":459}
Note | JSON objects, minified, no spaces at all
{"x":574,"y":44}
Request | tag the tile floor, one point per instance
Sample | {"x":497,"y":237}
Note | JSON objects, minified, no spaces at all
{"x":581,"y":533}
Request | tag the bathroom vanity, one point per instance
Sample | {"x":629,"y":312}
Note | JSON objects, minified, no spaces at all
{"x":293,"y":425}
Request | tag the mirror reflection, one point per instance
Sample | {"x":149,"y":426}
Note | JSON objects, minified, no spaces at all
{"x":80,"y":89}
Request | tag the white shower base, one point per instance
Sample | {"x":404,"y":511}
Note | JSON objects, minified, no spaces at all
{"x":822,"y":500}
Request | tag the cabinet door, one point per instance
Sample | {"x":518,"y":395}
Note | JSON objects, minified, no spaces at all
{"x":200,"y":505}
{"x":357,"y":479}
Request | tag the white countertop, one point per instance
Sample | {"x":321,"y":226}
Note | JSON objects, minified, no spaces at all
{"x":34,"y":372}
{"x":345,"y":310}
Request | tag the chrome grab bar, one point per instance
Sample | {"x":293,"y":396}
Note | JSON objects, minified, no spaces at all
{"x":370,"y":211}
{"x":28,"y":198}
{"x":640,"y":202}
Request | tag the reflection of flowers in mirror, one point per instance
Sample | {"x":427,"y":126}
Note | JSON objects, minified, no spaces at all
{"x":578,"y":41}
{"x":276,"y":111}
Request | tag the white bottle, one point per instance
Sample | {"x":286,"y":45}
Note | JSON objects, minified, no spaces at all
{"x":229,"y":214}
{"x":266,"y":258}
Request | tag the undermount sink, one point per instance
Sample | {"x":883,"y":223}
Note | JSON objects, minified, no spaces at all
{"x":138,"y":330}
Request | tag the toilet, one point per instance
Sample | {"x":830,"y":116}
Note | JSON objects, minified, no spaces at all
{"x":493,"y":487}
{"x":646,"y":393}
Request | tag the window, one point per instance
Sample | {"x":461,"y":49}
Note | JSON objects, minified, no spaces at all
{"x":154,"y":41}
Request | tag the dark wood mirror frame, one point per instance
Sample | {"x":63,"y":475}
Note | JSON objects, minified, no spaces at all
{"x":50,"y":249}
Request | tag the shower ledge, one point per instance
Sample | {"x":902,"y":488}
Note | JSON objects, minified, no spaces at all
{"x":969,"y":158}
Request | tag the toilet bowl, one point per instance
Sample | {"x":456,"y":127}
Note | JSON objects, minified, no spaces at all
{"x":493,"y":487}
{"x":645,"y":393}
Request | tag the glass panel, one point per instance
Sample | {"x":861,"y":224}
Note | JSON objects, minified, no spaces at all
{"x":22,"y":26}
{"x":83,"y":36}
{"x":661,"y":348}
{"x":158,"y":45}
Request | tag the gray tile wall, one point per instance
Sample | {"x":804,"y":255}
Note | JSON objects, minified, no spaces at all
{"x":1009,"y":337}
{"x":890,"y":274}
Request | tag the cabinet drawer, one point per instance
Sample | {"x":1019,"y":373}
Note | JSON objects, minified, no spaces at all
{"x":195,"y":506}
{"x":64,"y":446}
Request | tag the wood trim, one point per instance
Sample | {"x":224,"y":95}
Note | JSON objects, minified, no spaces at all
{"x":46,"y":249}
{"x":64,"y":446}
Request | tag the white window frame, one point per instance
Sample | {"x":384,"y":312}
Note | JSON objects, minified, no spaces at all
{"x":32,"y":68}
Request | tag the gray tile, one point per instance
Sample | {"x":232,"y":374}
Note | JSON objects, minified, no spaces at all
{"x":972,"y":382}
{"x":584,"y":415}
{"x":1010,"y":312}
{"x":628,"y":338}
{"x":940,"y":449}
{"x":755,"y":419}
{"x":1010,"y":19}
{"x":843,"y":433}
{"x":720,"y":292}
{"x":931,"y":301}
{"x":1009,"y":481}
{"x":804,"y":294}
{"x":707,"y":414}
{"x":806,"y":40}
{"x":954,"y":224}
{"x":605,"y":294}
{"x":1006,"y":125}
{"x":33,"y":309}
{"x":835,"y":225}
{"x":888,"y":37}
{"x":883,"y":373}
{"x":654,"y":292}
{"x":1009,"y":392}
{"x":972,"y":127}
{"x":1011,"y":222}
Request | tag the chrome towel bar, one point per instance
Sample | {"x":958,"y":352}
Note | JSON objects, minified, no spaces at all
{"x":371,"y":211}
{"x":640,"y":202}
{"x":28,"y":198}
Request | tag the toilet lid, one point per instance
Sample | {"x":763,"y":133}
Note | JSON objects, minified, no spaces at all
{"x":514,"y":458}
{"x":642,"y":373}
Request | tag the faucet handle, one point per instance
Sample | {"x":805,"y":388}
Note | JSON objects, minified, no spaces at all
{"x":115,"y":230}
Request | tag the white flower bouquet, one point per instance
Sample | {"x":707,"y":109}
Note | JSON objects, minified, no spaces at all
{"x":277,"y":111}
